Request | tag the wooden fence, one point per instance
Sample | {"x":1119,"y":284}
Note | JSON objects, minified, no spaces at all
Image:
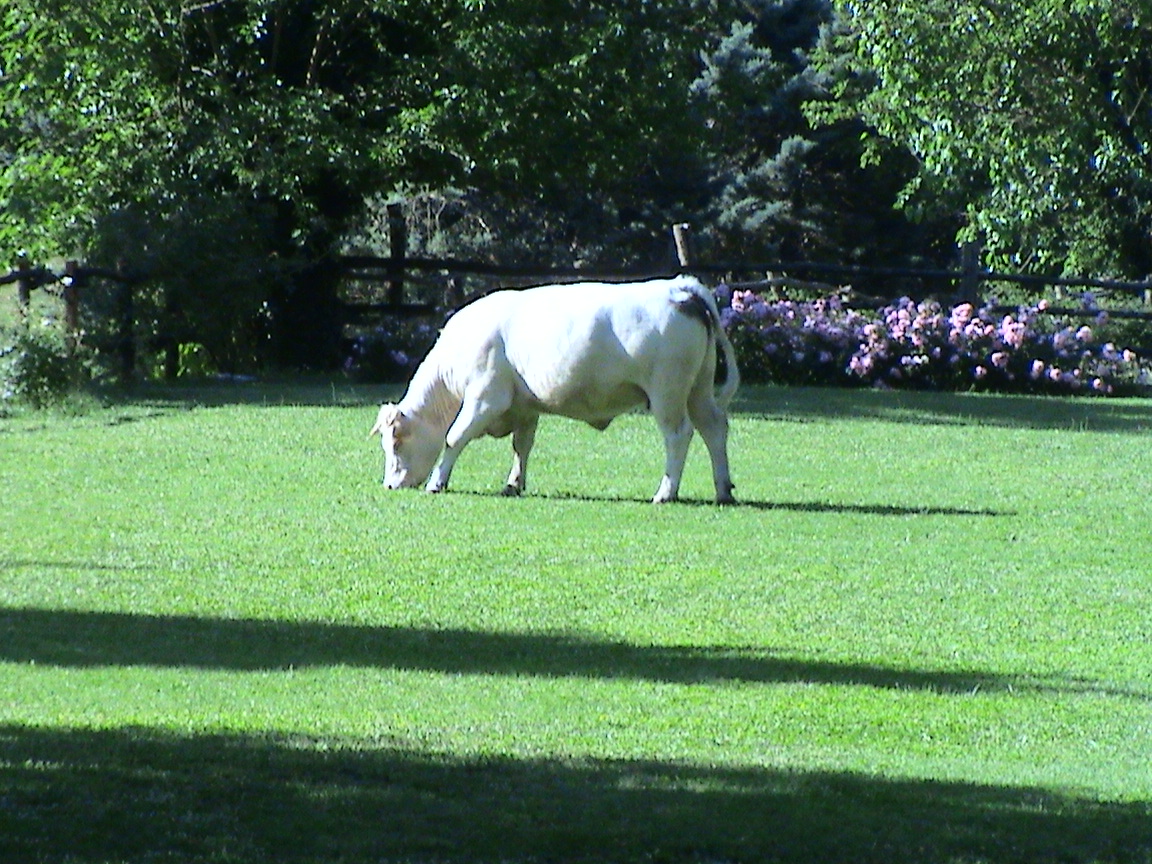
{"x":966,"y":281}
{"x":395,"y":270}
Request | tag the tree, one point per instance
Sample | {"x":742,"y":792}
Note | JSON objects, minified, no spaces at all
{"x":293,"y":113}
{"x":291,"y":109}
{"x":1032,"y":120}
{"x":578,"y":108}
{"x":782,"y":187}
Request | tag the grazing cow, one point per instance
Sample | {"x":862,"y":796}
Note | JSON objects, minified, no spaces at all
{"x":587,"y":351}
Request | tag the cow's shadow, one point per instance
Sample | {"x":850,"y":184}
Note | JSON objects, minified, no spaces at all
{"x":786,"y":506}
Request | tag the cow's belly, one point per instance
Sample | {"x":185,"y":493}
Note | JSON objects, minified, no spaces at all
{"x":585,"y":376}
{"x":595,"y":404}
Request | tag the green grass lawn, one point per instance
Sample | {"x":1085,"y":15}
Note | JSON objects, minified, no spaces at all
{"x":924,"y":635}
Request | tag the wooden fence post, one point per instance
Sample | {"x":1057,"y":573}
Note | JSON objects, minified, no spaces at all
{"x":171,"y":340}
{"x":23,"y":288}
{"x":970,"y":271}
{"x":681,"y":233}
{"x":126,"y":315}
{"x":72,"y":304}
{"x":398,"y":250}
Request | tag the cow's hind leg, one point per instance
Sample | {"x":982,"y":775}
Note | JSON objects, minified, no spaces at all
{"x":677,"y":432}
{"x":523,"y":437}
{"x":712,"y":424}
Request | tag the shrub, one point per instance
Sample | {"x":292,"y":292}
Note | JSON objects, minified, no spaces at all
{"x":925,"y":346}
{"x":37,"y":368}
{"x":391,"y":351}
{"x":792,"y":342}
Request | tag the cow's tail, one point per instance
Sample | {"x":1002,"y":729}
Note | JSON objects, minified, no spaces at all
{"x":700,"y":303}
{"x":731,"y":370}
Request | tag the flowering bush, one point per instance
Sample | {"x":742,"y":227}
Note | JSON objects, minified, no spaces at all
{"x":794,"y":342}
{"x":923,"y":345}
{"x":391,"y":351}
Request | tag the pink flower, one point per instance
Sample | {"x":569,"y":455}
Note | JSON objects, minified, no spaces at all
{"x":1037,"y":369}
{"x":962,"y":314}
{"x":981,"y":373}
{"x":1000,"y":360}
{"x":1084,"y":334}
{"x":1012,"y":332}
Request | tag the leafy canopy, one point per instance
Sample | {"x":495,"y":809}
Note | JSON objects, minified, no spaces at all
{"x":312,"y":107}
{"x":1033,"y":119}
{"x":110,"y":105}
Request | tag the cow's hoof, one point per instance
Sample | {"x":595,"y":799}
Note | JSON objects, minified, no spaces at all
{"x":435,"y":490}
{"x":510,"y":491}
{"x":664,"y":499}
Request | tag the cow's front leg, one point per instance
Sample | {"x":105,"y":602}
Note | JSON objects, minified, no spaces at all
{"x":476,"y":416}
{"x":523,"y":437}
{"x":438,"y":481}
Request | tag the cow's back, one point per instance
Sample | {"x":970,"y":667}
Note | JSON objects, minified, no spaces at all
{"x":590,"y":350}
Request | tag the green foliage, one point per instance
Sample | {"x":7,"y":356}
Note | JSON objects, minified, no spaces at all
{"x":230,"y":148}
{"x":561,"y":97}
{"x":1030,"y":118}
{"x":37,"y":366}
{"x":784,"y":189}
{"x":313,"y":109}
{"x":210,"y":270}
{"x":753,"y":82}
{"x":112,"y":105}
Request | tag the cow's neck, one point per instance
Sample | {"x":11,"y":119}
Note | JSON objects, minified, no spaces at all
{"x":429,"y":398}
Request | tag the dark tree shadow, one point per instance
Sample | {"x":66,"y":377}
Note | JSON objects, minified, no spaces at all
{"x":275,"y":392}
{"x":135,"y":795}
{"x":90,"y":639}
{"x":804,"y":404}
{"x":789,"y":404}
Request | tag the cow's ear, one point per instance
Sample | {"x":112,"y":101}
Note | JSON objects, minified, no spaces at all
{"x":400,"y":424}
{"x":389,"y":420}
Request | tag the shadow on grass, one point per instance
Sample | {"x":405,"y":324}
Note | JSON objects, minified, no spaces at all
{"x":788,"y":506}
{"x":146,"y":795}
{"x":870,"y":509}
{"x":802,"y":404}
{"x":90,"y":639}
{"x":797,"y":404}
{"x":307,"y":391}
{"x":817,"y":507}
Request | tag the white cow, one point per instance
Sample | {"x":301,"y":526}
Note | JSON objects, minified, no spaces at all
{"x":587,"y":351}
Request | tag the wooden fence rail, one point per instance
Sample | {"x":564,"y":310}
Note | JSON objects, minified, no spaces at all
{"x":394,"y":270}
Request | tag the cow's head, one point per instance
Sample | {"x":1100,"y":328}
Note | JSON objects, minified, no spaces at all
{"x":410,"y":447}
